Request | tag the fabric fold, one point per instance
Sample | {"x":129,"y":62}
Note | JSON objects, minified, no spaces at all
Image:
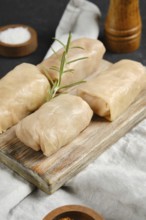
{"x":76,"y":15}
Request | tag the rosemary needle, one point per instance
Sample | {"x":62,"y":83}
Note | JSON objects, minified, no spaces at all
{"x":56,"y":85}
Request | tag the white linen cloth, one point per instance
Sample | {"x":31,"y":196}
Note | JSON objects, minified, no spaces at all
{"x":81,"y":19}
{"x":114,"y":185}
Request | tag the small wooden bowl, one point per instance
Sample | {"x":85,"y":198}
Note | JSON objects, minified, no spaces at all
{"x":73,"y":212}
{"x":22,"y":49}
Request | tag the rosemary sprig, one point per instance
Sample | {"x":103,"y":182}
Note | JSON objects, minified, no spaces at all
{"x":77,"y":47}
{"x":56,"y":85}
{"x":72,"y":61}
{"x":72,"y":84}
{"x":55,"y":53}
{"x":59,"y":42}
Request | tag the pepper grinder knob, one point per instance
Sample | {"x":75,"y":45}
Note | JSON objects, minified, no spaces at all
{"x":123,"y":26}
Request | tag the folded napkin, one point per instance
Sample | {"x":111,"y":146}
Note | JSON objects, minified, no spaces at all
{"x":76,"y":13}
{"x":13,"y":189}
{"x":114,"y":185}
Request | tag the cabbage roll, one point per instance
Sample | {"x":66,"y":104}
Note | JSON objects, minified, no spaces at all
{"x":54,"y":124}
{"x":110,"y":93}
{"x":22,"y":90}
{"x":93,"y":49}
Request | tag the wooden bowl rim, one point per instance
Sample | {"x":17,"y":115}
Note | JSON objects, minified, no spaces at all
{"x":32,"y":31}
{"x":73,"y":208}
{"x":22,"y":49}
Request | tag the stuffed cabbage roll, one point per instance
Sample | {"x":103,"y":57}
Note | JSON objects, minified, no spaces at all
{"x":54,"y":124}
{"x":22,"y":90}
{"x":110,"y":93}
{"x":93,"y":49}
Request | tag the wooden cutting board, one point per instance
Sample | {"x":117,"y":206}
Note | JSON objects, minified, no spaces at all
{"x":51,"y":173}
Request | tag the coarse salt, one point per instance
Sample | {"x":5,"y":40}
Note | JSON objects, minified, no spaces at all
{"x":17,"y":35}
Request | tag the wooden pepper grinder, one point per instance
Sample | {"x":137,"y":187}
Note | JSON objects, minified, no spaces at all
{"x":123,"y":26}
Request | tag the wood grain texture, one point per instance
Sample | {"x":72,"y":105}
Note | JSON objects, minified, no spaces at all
{"x":123,"y":26}
{"x":50,"y":173}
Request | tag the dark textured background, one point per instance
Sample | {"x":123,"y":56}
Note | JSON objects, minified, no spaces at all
{"x":44,"y":15}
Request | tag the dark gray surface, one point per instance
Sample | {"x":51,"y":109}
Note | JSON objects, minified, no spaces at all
{"x":44,"y":17}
